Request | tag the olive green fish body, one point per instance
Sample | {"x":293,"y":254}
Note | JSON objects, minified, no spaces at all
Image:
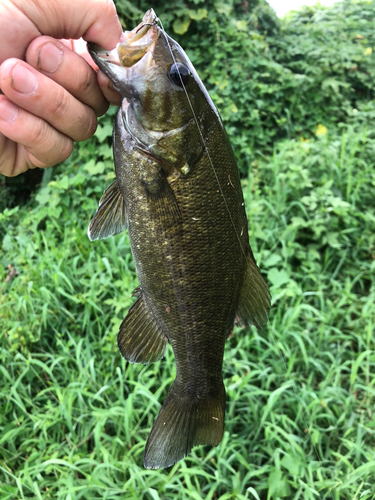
{"x":180,"y":190}
{"x":187,"y":254}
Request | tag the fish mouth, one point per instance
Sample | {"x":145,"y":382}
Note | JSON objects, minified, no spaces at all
{"x":132,"y":49}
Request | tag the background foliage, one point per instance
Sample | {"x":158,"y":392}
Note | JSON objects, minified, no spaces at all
{"x":275,"y":79}
{"x":74,"y":416}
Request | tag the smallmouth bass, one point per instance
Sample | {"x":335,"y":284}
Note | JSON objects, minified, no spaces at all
{"x":178,"y":192}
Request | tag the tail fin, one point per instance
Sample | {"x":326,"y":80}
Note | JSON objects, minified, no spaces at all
{"x":184,"y":422}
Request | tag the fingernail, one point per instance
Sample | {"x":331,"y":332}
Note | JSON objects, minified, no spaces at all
{"x":23,"y":80}
{"x":8,"y":111}
{"x":49,"y":58}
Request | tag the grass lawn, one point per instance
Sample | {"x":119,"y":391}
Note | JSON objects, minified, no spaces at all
{"x":300,"y":424}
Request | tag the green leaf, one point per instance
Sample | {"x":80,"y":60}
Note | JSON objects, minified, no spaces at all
{"x":278,"y":486}
{"x":332,"y":240}
{"x":292,"y":464}
{"x":278,"y":277}
{"x":7,"y":243}
{"x":44,"y":196}
{"x":180,"y":26}
{"x":253,"y":492}
{"x":104,"y":131}
{"x":62,"y":183}
{"x":241,"y":25}
{"x":153,"y":493}
{"x":8,"y":213}
{"x":272,"y":260}
{"x":94,"y":168}
{"x":197,"y":15}
{"x":299,"y":222}
{"x":223,"y":8}
{"x":356,"y":364}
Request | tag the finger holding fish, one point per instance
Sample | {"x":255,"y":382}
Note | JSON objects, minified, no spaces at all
{"x":67,"y":97}
{"x":43,"y":96}
{"x":67,"y":68}
{"x":27,"y":141}
{"x":106,"y":86}
{"x":56,"y":60}
{"x":40,"y":115}
{"x":38,"y":94}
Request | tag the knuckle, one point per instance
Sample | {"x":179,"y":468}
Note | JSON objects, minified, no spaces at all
{"x":39,"y":134}
{"x":58,"y":150}
{"x":66,"y":151}
{"x":86,"y":81}
{"x":102,"y":111}
{"x":61,"y":102}
{"x":7,"y":157}
{"x":7,"y":167}
{"x":87,"y":125}
{"x":87,"y":86}
{"x":12,"y":161}
{"x":93,"y":123}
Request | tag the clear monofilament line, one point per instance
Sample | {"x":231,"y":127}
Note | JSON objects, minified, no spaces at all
{"x":203,"y":142}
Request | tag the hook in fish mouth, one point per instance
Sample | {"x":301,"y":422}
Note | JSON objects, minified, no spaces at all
{"x":149,"y":19}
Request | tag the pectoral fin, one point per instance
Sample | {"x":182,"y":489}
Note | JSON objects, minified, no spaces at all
{"x":162,"y":200}
{"x":255,"y":298}
{"x":110,"y":218}
{"x":140,"y":339}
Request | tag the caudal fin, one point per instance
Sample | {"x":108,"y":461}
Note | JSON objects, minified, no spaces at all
{"x":184,"y":422}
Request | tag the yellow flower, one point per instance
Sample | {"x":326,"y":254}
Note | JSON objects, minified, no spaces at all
{"x":368,"y":51}
{"x":321,"y":130}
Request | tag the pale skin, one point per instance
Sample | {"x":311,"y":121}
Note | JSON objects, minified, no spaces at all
{"x":50,"y":95}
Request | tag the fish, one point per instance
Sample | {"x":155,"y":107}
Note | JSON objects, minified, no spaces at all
{"x":178,"y":193}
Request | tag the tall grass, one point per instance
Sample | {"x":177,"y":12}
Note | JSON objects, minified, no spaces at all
{"x":74,"y":416}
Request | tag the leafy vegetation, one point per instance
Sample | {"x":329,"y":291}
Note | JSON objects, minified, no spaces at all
{"x":74,"y":416}
{"x":275,"y":79}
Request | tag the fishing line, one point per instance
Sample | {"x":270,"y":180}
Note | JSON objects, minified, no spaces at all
{"x":281,"y":355}
{"x":202,"y":138}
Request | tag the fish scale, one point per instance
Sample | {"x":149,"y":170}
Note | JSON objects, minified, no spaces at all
{"x":188,"y":233}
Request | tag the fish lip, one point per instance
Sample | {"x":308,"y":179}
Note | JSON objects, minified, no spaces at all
{"x":102,"y":56}
{"x":133,"y":47}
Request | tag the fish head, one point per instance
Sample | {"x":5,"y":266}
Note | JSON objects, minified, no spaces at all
{"x":164,"y":99}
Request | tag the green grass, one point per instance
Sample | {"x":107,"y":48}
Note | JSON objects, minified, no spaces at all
{"x":74,"y":416}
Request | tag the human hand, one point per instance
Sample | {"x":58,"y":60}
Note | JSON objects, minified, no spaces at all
{"x":51,"y":95}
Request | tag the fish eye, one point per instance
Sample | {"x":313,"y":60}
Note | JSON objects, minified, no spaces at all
{"x":178,"y":72}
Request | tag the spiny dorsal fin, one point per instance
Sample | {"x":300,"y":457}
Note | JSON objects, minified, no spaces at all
{"x":110,"y":218}
{"x":255,"y":298}
{"x":140,"y":338}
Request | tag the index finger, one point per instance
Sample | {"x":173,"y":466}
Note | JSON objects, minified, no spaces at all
{"x":53,"y":58}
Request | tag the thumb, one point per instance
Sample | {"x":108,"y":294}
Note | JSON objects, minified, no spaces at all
{"x":94,"y":20}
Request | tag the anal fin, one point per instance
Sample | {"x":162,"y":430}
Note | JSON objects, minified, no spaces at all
{"x":110,"y":218}
{"x":140,"y":338}
{"x":255,"y":299}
